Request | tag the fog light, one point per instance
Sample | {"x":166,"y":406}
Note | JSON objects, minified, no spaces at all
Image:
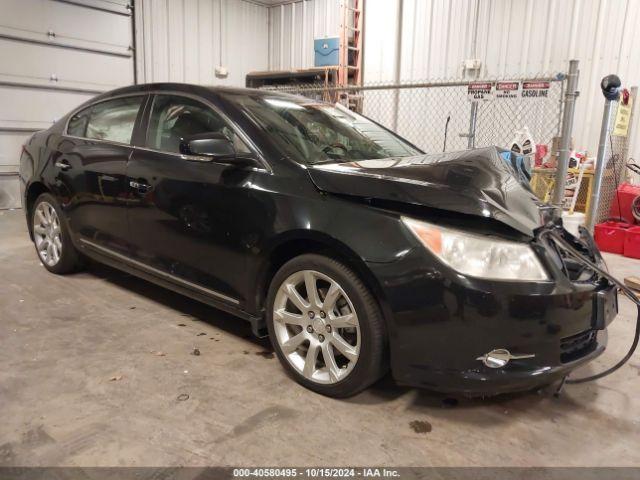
{"x":499,"y":357}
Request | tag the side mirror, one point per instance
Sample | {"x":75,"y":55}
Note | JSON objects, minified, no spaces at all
{"x":214,"y":145}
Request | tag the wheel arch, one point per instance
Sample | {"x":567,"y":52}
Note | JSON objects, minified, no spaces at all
{"x":300,"y":243}
{"x":34,"y":190}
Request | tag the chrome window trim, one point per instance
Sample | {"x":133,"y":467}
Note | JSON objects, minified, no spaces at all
{"x":99,"y":140}
{"x":161,"y":273}
{"x":192,"y":158}
{"x":245,"y":138}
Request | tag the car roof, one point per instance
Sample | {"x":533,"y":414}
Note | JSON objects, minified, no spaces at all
{"x":202,"y":90}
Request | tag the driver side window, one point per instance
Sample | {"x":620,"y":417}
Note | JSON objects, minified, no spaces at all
{"x":175,"y":118}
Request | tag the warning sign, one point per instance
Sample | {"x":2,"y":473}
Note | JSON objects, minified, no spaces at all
{"x":507,"y":89}
{"x":480,"y":91}
{"x":535,"y":89}
{"x":623,"y":116}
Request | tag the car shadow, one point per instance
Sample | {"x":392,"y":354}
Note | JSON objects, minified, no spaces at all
{"x":541,"y":405}
{"x":188,"y":308}
{"x":504,"y":407}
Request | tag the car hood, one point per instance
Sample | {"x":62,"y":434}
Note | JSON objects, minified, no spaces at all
{"x":478,"y":182}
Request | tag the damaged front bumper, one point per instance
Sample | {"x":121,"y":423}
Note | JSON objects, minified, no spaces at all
{"x":444,"y":324}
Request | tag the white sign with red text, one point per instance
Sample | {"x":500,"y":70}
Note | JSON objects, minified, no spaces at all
{"x":507,"y":89}
{"x":480,"y":91}
{"x":535,"y":89}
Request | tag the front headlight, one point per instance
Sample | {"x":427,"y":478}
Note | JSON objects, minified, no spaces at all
{"x":479,"y":256}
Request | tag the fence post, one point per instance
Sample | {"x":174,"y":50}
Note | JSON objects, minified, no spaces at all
{"x":567,"y":128}
{"x":398,"y":65}
{"x":611,"y":90}
{"x":471,"y":138}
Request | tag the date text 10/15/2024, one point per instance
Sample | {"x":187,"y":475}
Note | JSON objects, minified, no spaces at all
{"x":317,"y":472}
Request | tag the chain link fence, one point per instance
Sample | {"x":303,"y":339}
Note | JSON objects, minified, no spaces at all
{"x":453,"y":114}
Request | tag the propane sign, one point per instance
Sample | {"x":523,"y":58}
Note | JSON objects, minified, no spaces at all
{"x":535,"y":89}
{"x":507,"y":89}
{"x":480,"y":91}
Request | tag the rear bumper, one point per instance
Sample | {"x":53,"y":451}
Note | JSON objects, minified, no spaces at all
{"x":440,"y":324}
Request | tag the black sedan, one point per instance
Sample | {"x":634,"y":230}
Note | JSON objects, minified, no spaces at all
{"x":352,"y":249}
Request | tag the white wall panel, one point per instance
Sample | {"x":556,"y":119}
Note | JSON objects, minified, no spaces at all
{"x":26,"y":110}
{"x":10,"y":148}
{"x":515,"y":38}
{"x":61,"y":23}
{"x":55,"y":55}
{"x":36,"y":109}
{"x":185,"y":40}
{"x":294,"y":26}
{"x":72,"y":68}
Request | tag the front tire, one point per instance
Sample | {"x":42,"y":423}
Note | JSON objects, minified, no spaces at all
{"x":51,"y":236}
{"x":325,"y":326}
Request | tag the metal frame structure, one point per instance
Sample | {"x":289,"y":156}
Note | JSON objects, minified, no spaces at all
{"x":568,"y":111}
{"x":350,"y":67}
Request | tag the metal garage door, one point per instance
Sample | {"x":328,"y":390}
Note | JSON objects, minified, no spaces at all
{"x":54,"y":55}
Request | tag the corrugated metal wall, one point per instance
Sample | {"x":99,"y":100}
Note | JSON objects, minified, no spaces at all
{"x":515,"y":38}
{"x":185,"y":40}
{"x":292,"y":28}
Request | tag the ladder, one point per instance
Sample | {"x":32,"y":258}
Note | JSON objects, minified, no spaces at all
{"x":350,"y":55}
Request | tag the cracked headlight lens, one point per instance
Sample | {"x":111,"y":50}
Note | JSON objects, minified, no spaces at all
{"x":477,"y":255}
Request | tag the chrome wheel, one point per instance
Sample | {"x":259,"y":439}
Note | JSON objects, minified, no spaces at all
{"x":316,"y":327}
{"x":47,"y":234}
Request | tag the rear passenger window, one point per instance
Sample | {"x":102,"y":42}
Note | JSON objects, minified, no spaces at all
{"x":112,"y":120}
{"x":78,"y":123}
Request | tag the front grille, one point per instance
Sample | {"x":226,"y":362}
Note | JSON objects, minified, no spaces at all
{"x":578,"y":345}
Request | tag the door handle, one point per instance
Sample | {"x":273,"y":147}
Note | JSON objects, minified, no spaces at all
{"x":62,"y":165}
{"x":140,"y":187}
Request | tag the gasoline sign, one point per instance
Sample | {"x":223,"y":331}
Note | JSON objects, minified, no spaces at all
{"x":480,"y":91}
{"x":535,"y":89}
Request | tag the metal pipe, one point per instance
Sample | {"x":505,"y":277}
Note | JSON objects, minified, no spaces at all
{"x":134,"y":46}
{"x":567,"y":128}
{"x":403,"y":86}
{"x":471,"y":137}
{"x":611,"y":90}
{"x":398,"y":65}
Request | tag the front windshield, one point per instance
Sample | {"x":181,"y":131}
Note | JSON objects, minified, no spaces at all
{"x":315,"y":132}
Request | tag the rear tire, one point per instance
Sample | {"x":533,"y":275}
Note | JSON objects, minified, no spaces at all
{"x":333,"y":340}
{"x":52,"y":238}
